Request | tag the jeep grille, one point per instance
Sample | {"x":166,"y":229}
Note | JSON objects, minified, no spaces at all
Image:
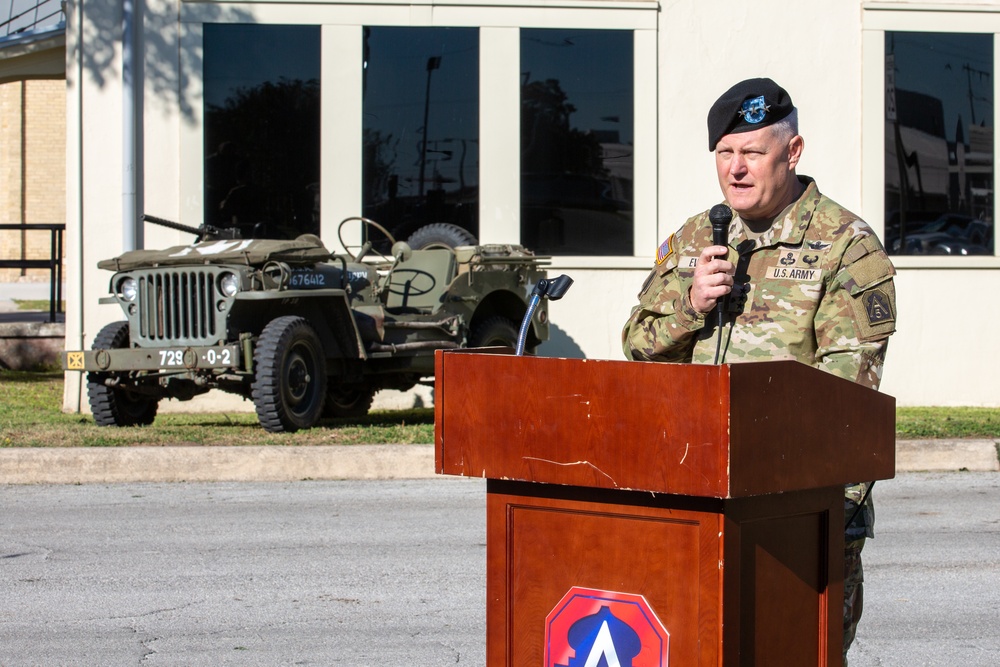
{"x":176,"y":306}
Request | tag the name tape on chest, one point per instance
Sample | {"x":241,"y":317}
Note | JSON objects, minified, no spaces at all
{"x":794,"y":273}
{"x":687,"y":261}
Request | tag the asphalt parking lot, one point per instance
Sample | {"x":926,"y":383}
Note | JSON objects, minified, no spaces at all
{"x":392,"y":572}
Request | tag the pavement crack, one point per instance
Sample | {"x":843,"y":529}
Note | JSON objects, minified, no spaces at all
{"x":154,"y":612}
{"x":147,"y":650}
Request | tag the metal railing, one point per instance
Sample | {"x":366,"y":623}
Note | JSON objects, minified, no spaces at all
{"x":31,"y":15}
{"x":53,"y":263}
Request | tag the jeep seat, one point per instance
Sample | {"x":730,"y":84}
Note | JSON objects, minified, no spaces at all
{"x":421,"y":281}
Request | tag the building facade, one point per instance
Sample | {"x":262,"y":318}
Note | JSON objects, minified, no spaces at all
{"x":576,"y":127}
{"x":32,"y":131}
{"x":32,"y":169}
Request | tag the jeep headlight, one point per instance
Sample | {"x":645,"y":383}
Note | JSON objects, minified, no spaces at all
{"x":128,"y":289}
{"x":229,"y":284}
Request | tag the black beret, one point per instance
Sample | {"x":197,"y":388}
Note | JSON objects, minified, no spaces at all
{"x":747,"y":106}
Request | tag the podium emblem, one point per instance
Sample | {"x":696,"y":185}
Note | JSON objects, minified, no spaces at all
{"x":595,"y":628}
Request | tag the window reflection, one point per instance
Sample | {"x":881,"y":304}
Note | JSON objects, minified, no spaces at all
{"x":576,"y":141}
{"x":262,"y":125}
{"x":421,"y":128}
{"x":939,"y":143}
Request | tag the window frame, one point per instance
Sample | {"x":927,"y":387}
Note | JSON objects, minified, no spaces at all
{"x":554,"y":67}
{"x":340,"y":91}
{"x":877,"y":19}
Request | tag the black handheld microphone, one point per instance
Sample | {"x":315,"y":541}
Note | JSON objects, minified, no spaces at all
{"x":720,"y":216}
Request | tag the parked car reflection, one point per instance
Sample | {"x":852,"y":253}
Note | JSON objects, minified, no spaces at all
{"x":948,"y":234}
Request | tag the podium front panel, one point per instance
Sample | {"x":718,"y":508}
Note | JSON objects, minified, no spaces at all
{"x":754,"y":581}
{"x":539,"y":549}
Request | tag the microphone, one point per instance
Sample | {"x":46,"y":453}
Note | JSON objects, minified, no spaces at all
{"x":720,"y":217}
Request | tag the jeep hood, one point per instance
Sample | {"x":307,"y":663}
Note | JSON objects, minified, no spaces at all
{"x":307,"y":249}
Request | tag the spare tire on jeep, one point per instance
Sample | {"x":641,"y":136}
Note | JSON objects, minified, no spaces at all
{"x":440,"y":234}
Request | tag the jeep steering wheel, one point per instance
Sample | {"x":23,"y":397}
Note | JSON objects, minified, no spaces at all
{"x":365,"y":247}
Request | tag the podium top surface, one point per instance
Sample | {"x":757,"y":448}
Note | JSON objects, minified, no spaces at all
{"x":727,"y":431}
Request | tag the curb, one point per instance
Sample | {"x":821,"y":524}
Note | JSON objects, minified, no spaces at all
{"x":947,"y":455}
{"x":95,"y":465}
{"x":90,"y":465}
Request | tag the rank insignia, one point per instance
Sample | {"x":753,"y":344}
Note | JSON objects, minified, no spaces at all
{"x":755,"y":110}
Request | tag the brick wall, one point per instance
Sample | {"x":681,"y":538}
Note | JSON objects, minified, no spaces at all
{"x":32,"y":168}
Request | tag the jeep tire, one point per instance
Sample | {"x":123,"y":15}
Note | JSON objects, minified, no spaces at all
{"x":348,"y":401}
{"x":289,"y":383}
{"x":440,"y":235}
{"x":118,"y":405}
{"x":495,"y":331}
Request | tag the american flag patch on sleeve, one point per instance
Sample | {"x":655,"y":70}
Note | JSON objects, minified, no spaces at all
{"x":665,"y":250}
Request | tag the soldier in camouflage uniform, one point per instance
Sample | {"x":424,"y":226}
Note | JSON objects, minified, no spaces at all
{"x":801,"y":278}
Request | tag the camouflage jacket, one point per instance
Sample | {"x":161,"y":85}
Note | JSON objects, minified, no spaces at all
{"x":816,"y":287}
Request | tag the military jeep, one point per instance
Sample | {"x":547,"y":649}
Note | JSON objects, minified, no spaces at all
{"x":302,"y":332}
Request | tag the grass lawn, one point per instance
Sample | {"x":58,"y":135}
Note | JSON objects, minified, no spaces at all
{"x":31,"y":416}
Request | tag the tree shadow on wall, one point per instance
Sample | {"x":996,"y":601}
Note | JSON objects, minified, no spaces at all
{"x":162,"y":66}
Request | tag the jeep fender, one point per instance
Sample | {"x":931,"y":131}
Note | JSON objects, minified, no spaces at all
{"x":328,"y":311}
{"x":504,"y":303}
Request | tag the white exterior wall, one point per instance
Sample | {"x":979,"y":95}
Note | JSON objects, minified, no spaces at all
{"x":93,"y":173}
{"x":827,"y":53}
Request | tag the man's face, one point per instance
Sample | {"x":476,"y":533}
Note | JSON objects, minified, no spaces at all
{"x":757,"y":172}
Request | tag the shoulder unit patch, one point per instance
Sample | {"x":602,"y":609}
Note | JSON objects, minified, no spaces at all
{"x":877,"y":306}
{"x":875,"y":312}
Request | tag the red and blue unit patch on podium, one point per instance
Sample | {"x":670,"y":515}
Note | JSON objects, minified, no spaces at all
{"x":594,"y":628}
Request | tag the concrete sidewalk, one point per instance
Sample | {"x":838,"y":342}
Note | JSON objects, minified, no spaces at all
{"x":97,"y":465}
{"x":24,"y":291}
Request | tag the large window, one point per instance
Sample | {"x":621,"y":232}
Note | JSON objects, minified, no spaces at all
{"x":421,"y":128}
{"x":576,"y":141}
{"x":262,"y":128}
{"x":939,"y":173}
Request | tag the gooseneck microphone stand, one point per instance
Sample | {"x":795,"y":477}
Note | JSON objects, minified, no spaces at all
{"x":553,"y":289}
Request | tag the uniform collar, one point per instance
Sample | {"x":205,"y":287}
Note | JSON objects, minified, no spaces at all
{"x":790,"y":226}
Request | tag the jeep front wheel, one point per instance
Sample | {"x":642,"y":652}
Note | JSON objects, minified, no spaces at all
{"x":290,"y":375}
{"x":114,"y":404}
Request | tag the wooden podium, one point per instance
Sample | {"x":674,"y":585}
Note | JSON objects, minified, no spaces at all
{"x":696,"y":508}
